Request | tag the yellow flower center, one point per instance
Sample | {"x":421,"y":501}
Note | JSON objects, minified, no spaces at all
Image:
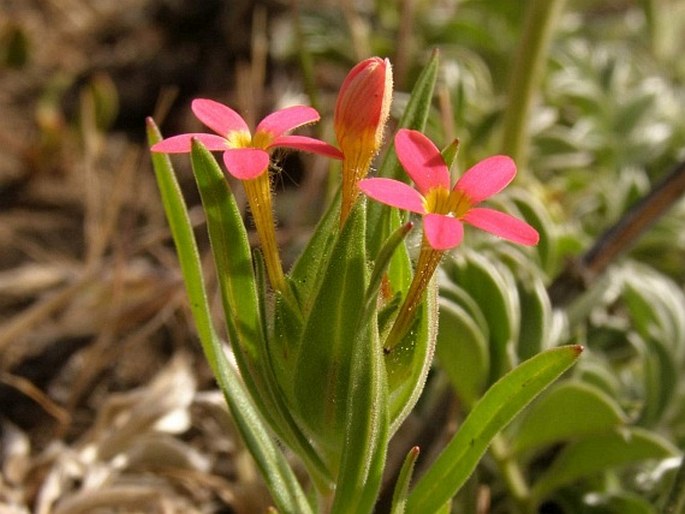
{"x":440,"y":200}
{"x":262,"y":140}
{"x":239,"y":139}
{"x":243,"y":139}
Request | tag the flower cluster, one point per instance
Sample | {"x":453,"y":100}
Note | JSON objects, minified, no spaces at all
{"x":314,"y":347}
{"x":360,"y":117}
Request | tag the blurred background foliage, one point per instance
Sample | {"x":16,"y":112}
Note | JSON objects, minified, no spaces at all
{"x":605,"y":127}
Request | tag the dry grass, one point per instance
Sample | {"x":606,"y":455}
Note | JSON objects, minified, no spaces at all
{"x":105,"y":402}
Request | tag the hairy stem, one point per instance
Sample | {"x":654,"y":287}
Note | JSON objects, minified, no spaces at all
{"x":258,"y":192}
{"x":428,"y":262}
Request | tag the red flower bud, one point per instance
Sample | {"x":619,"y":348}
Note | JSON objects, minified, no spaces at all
{"x":360,"y":115}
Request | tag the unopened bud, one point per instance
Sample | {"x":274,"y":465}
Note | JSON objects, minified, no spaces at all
{"x":360,"y":115}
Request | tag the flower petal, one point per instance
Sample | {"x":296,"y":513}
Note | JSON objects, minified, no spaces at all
{"x":442,"y":232}
{"x":183,"y":142}
{"x":393,"y":193}
{"x":503,"y":225}
{"x":246,"y":163}
{"x":279,"y":122}
{"x":487,"y":178}
{"x":422,"y":160}
{"x":307,"y":144}
{"x":218,"y":117}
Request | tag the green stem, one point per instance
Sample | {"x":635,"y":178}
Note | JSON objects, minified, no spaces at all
{"x":428,"y":262}
{"x":511,"y":474}
{"x":526,"y":75}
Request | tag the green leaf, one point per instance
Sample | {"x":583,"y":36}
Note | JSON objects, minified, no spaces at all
{"x":462,"y":350}
{"x":445,"y":509}
{"x":415,"y":114}
{"x":284,"y":340}
{"x":242,"y":306}
{"x":399,"y":497}
{"x":382,"y":223}
{"x":491,"y":414}
{"x":536,"y":317}
{"x":366,"y":430}
{"x":232,"y":256}
{"x":579,"y":410}
{"x":184,"y":239}
{"x":675,"y":503}
{"x":599,"y":374}
{"x":535,"y":213}
{"x":452,"y":292}
{"x":408,"y":364}
{"x":274,"y":467}
{"x":490,"y":284}
{"x":588,"y":457}
{"x":449,"y":154}
{"x":307,"y":272}
{"x":656,"y":305}
{"x":383,"y":260}
{"x":400,"y":269}
{"x":660,"y":380}
{"x":632,"y":112}
{"x":322,"y":367}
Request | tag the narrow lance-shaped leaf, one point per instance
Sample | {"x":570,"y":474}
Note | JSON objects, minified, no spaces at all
{"x":490,"y":415}
{"x":535,"y":213}
{"x":383,"y":260}
{"x":277,"y":473}
{"x":415,"y":114}
{"x":536,"y":316}
{"x":321,"y":371}
{"x":307,"y":272}
{"x":242,"y":310}
{"x":232,"y":256}
{"x":399,"y":497}
{"x":366,"y":431}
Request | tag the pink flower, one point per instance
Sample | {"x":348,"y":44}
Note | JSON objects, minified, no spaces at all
{"x":246,"y":156}
{"x":445,"y":210}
